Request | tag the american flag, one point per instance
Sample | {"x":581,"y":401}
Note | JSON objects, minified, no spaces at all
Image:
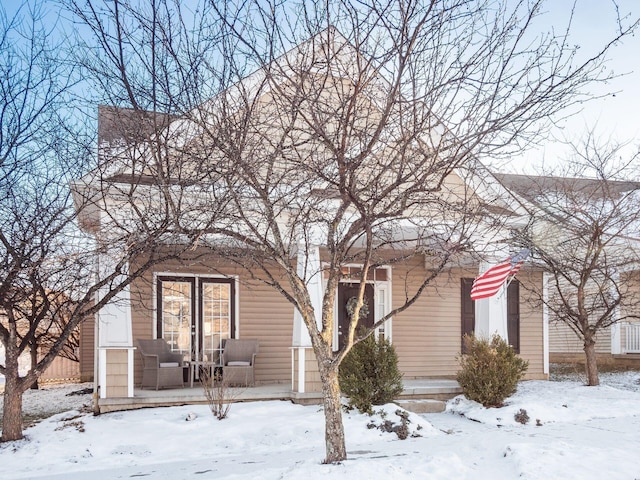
{"x":488,"y":284}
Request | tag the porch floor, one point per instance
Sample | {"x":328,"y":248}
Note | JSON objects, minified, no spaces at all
{"x":435,"y":389}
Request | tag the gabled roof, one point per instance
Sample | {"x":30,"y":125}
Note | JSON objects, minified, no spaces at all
{"x":127,"y":125}
{"x":531,"y":187}
{"x":561,"y":198}
{"x":136,"y":124}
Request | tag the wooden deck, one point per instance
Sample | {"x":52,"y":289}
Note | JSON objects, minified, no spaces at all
{"x":413,"y":389}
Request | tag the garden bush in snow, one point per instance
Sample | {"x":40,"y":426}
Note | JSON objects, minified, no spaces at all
{"x":369,"y":374}
{"x":490,"y":370}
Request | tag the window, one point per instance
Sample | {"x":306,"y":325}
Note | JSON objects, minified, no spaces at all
{"x":468,"y":312}
{"x":195,"y":315}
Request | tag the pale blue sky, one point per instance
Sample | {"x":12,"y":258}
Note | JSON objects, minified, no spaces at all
{"x":614,"y":116}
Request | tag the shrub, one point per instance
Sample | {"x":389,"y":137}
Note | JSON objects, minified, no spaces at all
{"x":402,"y":431}
{"x":218,"y":392}
{"x":369,"y":374}
{"x":490,"y":370}
{"x":521,"y":416}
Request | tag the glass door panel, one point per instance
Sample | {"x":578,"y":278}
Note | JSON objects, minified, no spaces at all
{"x":197,"y":333}
{"x":216,"y":318}
{"x":177,"y":313}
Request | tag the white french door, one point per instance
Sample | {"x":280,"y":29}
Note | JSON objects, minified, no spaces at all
{"x":195,"y":315}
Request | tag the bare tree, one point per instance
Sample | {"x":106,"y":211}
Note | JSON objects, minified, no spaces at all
{"x":45,"y":328}
{"x":352,"y":143}
{"x":50,"y":278}
{"x":584,"y":233}
{"x":47,"y":332}
{"x":47,"y":335}
{"x":33,"y":88}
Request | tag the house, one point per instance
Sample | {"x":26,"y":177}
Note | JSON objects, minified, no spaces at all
{"x":227,"y":284}
{"x":556,"y":197}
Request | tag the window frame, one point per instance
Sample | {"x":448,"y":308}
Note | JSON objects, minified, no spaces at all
{"x":197,"y":311}
{"x":465,"y":296}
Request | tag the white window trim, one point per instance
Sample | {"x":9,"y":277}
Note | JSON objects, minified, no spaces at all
{"x":377,"y":286}
{"x":196,"y":313}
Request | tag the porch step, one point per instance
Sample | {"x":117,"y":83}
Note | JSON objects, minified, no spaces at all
{"x":430,"y":389}
{"x":422,"y":406}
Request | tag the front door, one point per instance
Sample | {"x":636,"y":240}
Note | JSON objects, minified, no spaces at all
{"x":196,"y":329}
{"x":349,"y":292}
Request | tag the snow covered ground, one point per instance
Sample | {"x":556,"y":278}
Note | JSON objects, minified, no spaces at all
{"x":573,"y":432}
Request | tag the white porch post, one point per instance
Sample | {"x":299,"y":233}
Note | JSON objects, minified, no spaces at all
{"x":115,"y":321}
{"x":114,"y":332}
{"x":102,"y":372}
{"x":491,"y":313}
{"x":308,"y":268}
{"x":130,"y":372}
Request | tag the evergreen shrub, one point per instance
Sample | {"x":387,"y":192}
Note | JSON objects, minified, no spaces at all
{"x":369,"y":374}
{"x":490,"y":370}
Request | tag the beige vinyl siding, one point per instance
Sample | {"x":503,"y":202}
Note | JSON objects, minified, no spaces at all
{"x":267,"y":316}
{"x":262,"y":313}
{"x":427,"y":336}
{"x":142,"y":318}
{"x":631,"y":305}
{"x":531,"y":324}
{"x":65,"y":369}
{"x":117,"y":373}
{"x":61,"y":369}
{"x":563,"y":340}
{"x":87,"y":349}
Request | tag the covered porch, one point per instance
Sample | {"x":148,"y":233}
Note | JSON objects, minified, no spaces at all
{"x":286,"y":367}
{"x":418,"y":389}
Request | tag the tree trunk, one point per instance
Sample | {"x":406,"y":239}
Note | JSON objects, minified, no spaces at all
{"x":12,"y":405}
{"x":336,"y":450}
{"x":591,"y":365}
